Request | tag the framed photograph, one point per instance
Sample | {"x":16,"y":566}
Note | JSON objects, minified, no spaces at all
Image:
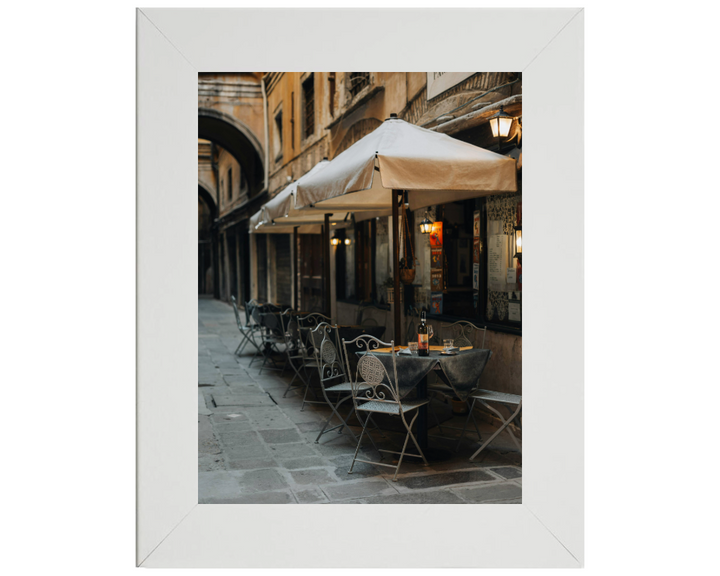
{"x":175,"y":49}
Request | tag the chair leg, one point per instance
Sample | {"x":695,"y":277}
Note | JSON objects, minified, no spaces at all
{"x":425,"y":462}
{"x":462,"y":434}
{"x":407,"y":437}
{"x":335,"y":412}
{"x":357,"y":448}
{"x":504,"y":425}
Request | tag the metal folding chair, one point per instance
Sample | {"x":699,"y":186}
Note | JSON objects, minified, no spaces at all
{"x":374,"y":391}
{"x":247,"y":330}
{"x":507,"y":400}
{"x":333,"y":381}
{"x":296,"y":352}
{"x":272,"y":339}
{"x":464,"y":334}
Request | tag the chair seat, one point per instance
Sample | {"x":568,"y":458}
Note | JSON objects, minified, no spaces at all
{"x":493,"y":396}
{"x":346,"y":387}
{"x":392,"y":407}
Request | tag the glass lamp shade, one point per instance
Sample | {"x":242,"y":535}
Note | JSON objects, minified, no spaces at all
{"x":426,"y":225}
{"x":500,"y":124}
{"x":518,"y":242}
{"x":335,"y":241}
{"x":347,"y":241}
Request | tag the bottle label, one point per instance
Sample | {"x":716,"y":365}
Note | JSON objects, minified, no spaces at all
{"x":423,"y":341}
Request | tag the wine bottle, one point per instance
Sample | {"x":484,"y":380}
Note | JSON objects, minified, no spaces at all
{"x":423,"y":340}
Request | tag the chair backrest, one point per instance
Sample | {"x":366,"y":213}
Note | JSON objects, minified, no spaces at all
{"x":327,"y":356}
{"x":464,"y":332}
{"x":365,"y":315}
{"x":237,"y":312}
{"x":312,"y":320}
{"x":290,"y":328}
{"x":371,"y":380}
{"x":255,"y":313}
{"x":271,"y":321}
{"x":249,"y":306}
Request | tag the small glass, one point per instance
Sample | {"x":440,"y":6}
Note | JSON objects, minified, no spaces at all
{"x":447,"y":344}
{"x":413,"y":347}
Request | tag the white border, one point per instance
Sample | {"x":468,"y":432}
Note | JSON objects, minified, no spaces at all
{"x":547,"y":529}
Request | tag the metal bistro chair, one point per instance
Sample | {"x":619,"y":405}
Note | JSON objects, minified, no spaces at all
{"x":306,"y":324}
{"x":254,"y":309}
{"x":333,"y":380}
{"x":507,"y":400}
{"x":247,"y":330}
{"x":296,"y":352}
{"x":382,"y":396}
{"x":463,"y":334}
{"x":272,"y":338}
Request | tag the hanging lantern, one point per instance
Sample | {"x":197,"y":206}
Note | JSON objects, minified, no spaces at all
{"x":335,"y":241}
{"x":500,"y":124}
{"x":426,"y":224}
{"x":517,"y":240}
{"x":347,"y":241}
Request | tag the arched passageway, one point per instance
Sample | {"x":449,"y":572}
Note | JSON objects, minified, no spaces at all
{"x":208,"y":272}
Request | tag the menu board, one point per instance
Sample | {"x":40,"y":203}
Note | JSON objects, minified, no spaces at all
{"x":497,"y":250}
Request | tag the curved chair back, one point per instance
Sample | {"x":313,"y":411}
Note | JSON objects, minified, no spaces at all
{"x":327,"y":355}
{"x":290,"y":328}
{"x":371,"y":380}
{"x":464,"y":332}
{"x":249,"y":306}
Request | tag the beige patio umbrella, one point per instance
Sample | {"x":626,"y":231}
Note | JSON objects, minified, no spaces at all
{"x":433,"y":168}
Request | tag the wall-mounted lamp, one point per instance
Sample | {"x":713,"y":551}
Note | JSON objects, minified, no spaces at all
{"x":517,"y":238}
{"x":335,"y":241}
{"x":426,"y":224}
{"x":347,"y":241}
{"x":500,"y":124}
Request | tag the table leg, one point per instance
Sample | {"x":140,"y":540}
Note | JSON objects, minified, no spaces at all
{"x":422,"y":429}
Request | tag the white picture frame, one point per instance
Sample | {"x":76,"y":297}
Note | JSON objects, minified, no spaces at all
{"x":546,"y":530}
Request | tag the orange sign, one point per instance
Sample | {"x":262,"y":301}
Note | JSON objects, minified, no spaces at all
{"x":436,"y":234}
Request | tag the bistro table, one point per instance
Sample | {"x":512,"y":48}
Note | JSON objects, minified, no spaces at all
{"x":461,"y":372}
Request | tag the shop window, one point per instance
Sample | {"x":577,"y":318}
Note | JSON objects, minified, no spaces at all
{"x":308,"y":94}
{"x":480,"y":278}
{"x":358,"y":81}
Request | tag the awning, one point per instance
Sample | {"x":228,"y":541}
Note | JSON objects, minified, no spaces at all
{"x":433,"y":167}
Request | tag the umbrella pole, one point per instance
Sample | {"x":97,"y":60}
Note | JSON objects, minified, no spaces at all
{"x":326,"y":264}
{"x":396,"y":194}
{"x":296,"y":269}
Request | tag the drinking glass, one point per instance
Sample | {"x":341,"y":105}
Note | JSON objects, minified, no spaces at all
{"x":448,"y":344}
{"x":413,"y":347}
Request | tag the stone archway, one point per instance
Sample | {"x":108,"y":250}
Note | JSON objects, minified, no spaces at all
{"x":238,"y":140}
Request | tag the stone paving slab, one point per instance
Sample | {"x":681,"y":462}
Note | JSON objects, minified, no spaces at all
{"x":494,"y":493}
{"x":280,"y":436}
{"x":310,"y":496}
{"x":508,"y":472}
{"x":359,"y":489}
{"x":444,"y":479}
{"x":434,"y":497}
{"x":226,"y":399}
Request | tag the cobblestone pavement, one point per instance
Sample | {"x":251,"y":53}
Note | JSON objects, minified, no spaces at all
{"x":255,"y":446}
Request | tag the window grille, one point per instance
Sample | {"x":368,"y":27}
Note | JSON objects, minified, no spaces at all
{"x":358,"y":81}
{"x":309,"y":101}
